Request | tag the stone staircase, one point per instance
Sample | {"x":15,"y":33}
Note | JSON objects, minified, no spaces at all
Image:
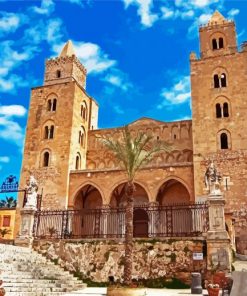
{"x":27,"y":273}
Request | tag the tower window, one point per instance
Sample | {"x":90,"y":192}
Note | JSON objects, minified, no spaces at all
{"x":214,"y":44}
{"x":221,"y":42}
{"x":78,"y":162}
{"x":216,"y":81}
{"x":58,"y":73}
{"x":49,"y":105}
{"x":84,"y":111}
{"x":223,"y":80}
{"x":46,"y":159}
{"x":49,"y":132}
{"x":223,"y":141}
{"x":52,"y":105}
{"x":218,"y":110}
{"x":225,"y":110}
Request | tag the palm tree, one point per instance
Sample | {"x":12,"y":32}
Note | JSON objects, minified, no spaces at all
{"x":4,"y":231}
{"x":132,"y":154}
{"x":8,"y":202}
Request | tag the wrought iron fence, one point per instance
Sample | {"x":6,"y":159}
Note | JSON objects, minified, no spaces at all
{"x":149,"y":221}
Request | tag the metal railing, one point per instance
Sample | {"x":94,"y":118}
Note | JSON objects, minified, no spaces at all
{"x":149,"y":221}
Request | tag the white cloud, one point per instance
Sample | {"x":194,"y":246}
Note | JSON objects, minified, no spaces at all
{"x":4,"y":159}
{"x":91,"y":56}
{"x":46,"y":7}
{"x":9,"y":22}
{"x":144,"y":11}
{"x":201,"y":20}
{"x":177,"y":94}
{"x":167,"y":12}
{"x":12,"y":83}
{"x":10,"y":130}
{"x":13,"y":110}
{"x":118,"y":79}
{"x":233,"y":12}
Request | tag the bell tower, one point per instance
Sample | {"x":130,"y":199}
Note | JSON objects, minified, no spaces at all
{"x":60,"y":115}
{"x":219,"y":108}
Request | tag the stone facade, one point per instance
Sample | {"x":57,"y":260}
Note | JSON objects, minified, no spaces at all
{"x":81,"y":173}
{"x":99,"y":259}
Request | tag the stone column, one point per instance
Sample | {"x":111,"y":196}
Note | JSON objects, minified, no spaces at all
{"x":25,"y":235}
{"x":218,"y":241}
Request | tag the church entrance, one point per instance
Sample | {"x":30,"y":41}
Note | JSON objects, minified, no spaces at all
{"x":140,"y":223}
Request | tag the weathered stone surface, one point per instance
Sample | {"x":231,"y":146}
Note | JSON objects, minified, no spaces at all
{"x":98,"y":260}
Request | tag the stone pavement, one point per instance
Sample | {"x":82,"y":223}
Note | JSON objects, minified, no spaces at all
{"x":150,"y":292}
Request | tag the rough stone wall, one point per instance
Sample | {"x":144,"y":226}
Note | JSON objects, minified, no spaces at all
{"x":151,"y":259}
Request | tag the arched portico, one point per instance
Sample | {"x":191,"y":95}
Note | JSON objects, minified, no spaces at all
{"x":118,"y":197}
{"x":172,"y":191}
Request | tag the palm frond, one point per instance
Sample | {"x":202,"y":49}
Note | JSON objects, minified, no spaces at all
{"x":133,"y":153}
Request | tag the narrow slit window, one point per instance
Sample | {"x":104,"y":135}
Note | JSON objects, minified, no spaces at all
{"x":46,"y":159}
{"x":214,"y":44}
{"x":225,"y":110}
{"x":221,"y":42}
{"x":218,"y":110}
{"x":216,"y":81}
{"x":49,"y":105}
{"x":223,"y":80}
{"x":58,"y":73}
{"x":54,"y":105}
{"x":46,"y":133}
{"x":51,"y":132}
{"x":223,"y":141}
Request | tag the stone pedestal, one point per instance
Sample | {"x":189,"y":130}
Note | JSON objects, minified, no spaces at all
{"x":218,"y":241}
{"x":25,"y":235}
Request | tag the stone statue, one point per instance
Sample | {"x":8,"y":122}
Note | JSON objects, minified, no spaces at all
{"x":31,"y":191}
{"x":212,"y":180}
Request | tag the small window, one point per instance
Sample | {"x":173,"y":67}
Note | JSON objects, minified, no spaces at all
{"x":221,"y":42}
{"x":51,"y":134}
{"x":223,"y":80}
{"x":223,"y":141}
{"x":218,"y":110}
{"x":78,"y":162}
{"x":214,"y":44}
{"x":46,"y":159}
{"x":58,"y":73}
{"x":174,"y":137}
{"x":79,"y":139}
{"x":6,"y":221}
{"x":46,"y":134}
{"x":49,"y":105}
{"x":225,"y":110}
{"x":216,"y":81}
{"x":54,"y":105}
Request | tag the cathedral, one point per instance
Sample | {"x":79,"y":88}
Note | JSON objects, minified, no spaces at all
{"x":75,"y":171}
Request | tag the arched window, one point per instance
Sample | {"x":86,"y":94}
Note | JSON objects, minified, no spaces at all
{"x":221,"y":42}
{"x":78,"y":162}
{"x":216,"y":81}
{"x":51,"y":134}
{"x":58,"y":73}
{"x":225,"y":110}
{"x":46,"y":133}
{"x":218,"y":110}
{"x":46,"y":159}
{"x":84,"y":110}
{"x":214,"y":44}
{"x":223,"y":80}
{"x":54,"y":105}
{"x":79,"y":139}
{"x":49,"y":105}
{"x":223,"y":141}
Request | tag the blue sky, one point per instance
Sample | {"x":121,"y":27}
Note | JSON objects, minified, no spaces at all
{"x":136,"y":53}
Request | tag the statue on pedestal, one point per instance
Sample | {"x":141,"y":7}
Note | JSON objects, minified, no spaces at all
{"x":32,"y":192}
{"x":212,"y":180}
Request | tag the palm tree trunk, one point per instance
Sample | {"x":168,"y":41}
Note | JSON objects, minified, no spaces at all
{"x":129,"y":234}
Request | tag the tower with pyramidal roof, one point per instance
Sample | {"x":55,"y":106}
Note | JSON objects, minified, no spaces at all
{"x":60,"y":115}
